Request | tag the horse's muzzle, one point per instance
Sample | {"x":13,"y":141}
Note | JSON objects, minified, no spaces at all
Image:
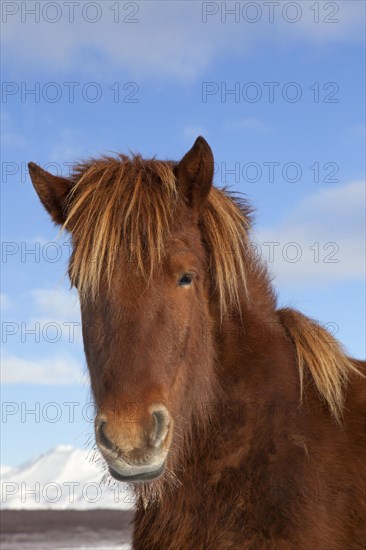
{"x":133,"y":452}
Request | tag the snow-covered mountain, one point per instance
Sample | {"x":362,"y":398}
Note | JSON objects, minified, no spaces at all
{"x":62,"y":478}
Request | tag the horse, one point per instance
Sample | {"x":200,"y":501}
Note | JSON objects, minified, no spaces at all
{"x":239,"y":425}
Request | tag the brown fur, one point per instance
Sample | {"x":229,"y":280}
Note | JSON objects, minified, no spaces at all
{"x":268,"y":447}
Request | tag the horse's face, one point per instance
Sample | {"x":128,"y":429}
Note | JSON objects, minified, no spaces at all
{"x":148,"y":342}
{"x":142,"y":344}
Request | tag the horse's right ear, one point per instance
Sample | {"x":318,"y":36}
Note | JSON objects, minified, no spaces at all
{"x":52,"y":190}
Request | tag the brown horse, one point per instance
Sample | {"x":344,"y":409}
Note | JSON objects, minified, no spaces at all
{"x":239,"y":425}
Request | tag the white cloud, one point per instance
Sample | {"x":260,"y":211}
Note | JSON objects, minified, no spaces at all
{"x":4,"y":301}
{"x":57,"y":312}
{"x":58,"y":304}
{"x":170,"y":38}
{"x":56,"y":320}
{"x":333,"y":218}
{"x":53,"y":371}
{"x":340,"y":21}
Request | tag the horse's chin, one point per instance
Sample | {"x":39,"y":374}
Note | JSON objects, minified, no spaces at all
{"x":140,"y":476}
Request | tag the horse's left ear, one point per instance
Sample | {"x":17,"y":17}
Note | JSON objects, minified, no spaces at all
{"x":52,"y":190}
{"x":195,"y":173}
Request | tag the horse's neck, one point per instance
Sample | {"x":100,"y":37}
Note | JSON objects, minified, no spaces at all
{"x":256,"y":367}
{"x":256,"y":377}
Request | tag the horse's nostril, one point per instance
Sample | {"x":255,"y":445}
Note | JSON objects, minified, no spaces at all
{"x":134,"y":441}
{"x":103,"y":439}
{"x":161,"y":426}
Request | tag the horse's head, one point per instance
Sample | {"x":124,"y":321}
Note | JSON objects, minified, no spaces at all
{"x":145,"y":278}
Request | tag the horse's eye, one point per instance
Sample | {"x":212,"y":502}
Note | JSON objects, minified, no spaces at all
{"x":185,"y":280}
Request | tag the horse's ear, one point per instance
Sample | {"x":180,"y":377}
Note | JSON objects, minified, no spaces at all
{"x":195,"y":173}
{"x":52,"y":190}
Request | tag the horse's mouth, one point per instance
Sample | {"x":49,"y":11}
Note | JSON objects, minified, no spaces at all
{"x":138,"y":477}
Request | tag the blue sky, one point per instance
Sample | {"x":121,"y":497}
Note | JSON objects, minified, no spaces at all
{"x":279,"y":97}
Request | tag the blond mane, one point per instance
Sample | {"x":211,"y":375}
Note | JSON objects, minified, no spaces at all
{"x":319,"y":353}
{"x":126,"y":206}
